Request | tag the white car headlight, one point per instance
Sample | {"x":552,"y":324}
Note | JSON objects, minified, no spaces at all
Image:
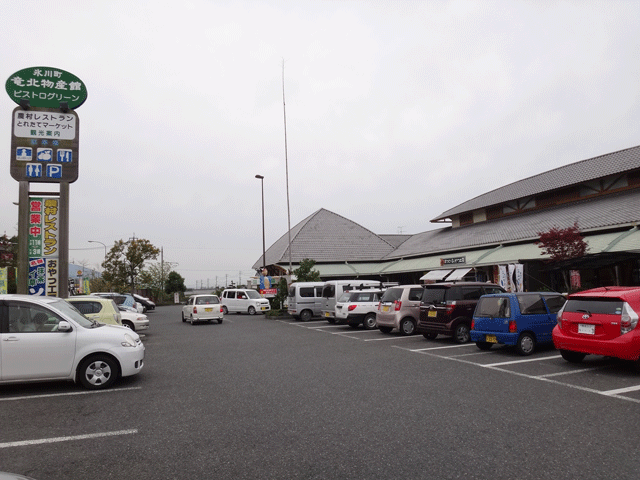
{"x":128,"y":341}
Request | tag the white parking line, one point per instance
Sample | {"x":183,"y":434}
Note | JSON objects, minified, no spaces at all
{"x":557,"y":374}
{"x":389,"y":338}
{"x":537,"y":359}
{"x":66,"y":439}
{"x":622,"y":390}
{"x":109,"y":390}
{"x":440,"y":348}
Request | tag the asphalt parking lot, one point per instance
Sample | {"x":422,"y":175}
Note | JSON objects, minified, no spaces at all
{"x":258,"y":398}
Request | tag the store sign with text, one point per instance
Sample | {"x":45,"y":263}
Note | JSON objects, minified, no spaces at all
{"x":43,"y":246}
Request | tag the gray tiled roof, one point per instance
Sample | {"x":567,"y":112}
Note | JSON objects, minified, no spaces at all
{"x":597,"y":213}
{"x":327,"y":237}
{"x":561,"y":177}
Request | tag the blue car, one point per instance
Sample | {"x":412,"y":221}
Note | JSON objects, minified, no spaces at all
{"x":521,"y":319}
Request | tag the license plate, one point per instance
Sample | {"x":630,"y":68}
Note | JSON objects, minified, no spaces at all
{"x":327,"y":314}
{"x":490,"y":339}
{"x":385,"y":308}
{"x":432,"y":313}
{"x":587,"y":329}
{"x":263,"y":308}
{"x":208,"y":309}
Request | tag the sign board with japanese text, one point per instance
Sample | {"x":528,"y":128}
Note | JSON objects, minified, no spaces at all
{"x":44,"y":145}
{"x":46,"y":87}
{"x":43,"y":246}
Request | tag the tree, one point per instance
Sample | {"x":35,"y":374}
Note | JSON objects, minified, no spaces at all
{"x":9,"y":259}
{"x":125,"y":261}
{"x":175,"y":283}
{"x":563,"y":244}
{"x":305,"y":272}
{"x":155,"y":278}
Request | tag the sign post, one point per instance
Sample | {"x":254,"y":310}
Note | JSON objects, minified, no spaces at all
{"x":44,"y":149}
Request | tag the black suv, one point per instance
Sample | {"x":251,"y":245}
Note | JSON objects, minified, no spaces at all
{"x":447,"y":308}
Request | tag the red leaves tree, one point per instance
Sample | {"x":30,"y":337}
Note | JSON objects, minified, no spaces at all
{"x":563,"y":244}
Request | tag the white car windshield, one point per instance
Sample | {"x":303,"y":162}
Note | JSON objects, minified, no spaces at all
{"x":253,"y":294}
{"x":71,"y":311}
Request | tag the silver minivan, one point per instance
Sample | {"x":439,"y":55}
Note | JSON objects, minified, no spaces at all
{"x":400,"y":308}
{"x":304,"y":300}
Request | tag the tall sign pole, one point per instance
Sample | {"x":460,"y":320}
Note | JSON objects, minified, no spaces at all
{"x":44,"y":149}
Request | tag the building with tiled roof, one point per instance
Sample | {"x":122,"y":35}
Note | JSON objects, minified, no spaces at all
{"x":501,"y":227}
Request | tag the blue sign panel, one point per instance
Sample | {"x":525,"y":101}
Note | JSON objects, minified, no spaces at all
{"x":65,"y":155}
{"x":34,"y":170}
{"x":54,"y":171}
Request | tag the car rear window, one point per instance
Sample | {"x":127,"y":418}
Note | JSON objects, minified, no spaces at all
{"x":493,"y":307}
{"x":364,"y":297}
{"x":392,"y":295}
{"x":207,"y":300}
{"x":432,"y":296}
{"x":606,"y":306}
{"x":554,"y":302}
{"x":329,"y":291}
{"x":345,"y":297}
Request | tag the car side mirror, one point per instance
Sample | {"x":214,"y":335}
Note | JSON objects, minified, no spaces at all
{"x":64,"y":326}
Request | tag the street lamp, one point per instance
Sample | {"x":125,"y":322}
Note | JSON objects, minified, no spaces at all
{"x":264,"y":262}
{"x":105,"y":248}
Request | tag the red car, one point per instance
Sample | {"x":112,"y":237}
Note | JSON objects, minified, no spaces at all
{"x":601,"y":321}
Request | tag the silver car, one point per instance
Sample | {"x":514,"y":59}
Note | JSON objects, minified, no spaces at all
{"x":400,"y":308}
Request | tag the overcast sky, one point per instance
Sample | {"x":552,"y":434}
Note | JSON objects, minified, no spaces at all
{"x":396,"y":111}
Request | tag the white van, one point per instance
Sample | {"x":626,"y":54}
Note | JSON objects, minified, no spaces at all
{"x":305,"y":300}
{"x":333,"y":289}
{"x":243,"y":300}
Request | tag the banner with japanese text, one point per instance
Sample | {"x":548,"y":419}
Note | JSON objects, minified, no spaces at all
{"x":43,"y":246}
{"x":4,"y":280}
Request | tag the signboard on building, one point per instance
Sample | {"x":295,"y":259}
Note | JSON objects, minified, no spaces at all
{"x":43,"y":246}
{"x":46,"y":87}
{"x":453,"y":261}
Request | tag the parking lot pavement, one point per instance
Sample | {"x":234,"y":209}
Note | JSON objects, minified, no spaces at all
{"x":596,"y":374}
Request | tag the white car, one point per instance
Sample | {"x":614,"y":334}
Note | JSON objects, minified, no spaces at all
{"x":134,"y":321}
{"x":46,"y":338}
{"x":202,"y":308}
{"x":358,"y":307}
{"x":244,"y":300}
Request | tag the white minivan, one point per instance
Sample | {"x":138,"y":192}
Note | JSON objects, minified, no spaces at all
{"x":243,"y":300}
{"x":333,"y":289}
{"x":47,"y":338}
{"x":304,"y":300}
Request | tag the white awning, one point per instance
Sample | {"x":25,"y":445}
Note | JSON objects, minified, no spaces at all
{"x":458,"y":273}
{"x":435,"y":275}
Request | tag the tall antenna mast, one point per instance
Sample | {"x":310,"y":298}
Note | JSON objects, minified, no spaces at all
{"x":286,"y":163}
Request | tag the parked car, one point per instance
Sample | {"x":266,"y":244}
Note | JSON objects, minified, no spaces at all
{"x":523,"y":320}
{"x":358,"y":307}
{"x":102,"y":310}
{"x":69,"y":346}
{"x":333,"y":290}
{"x":304,"y":300}
{"x":243,"y":300}
{"x":121,"y":299}
{"x":601,"y":321}
{"x":400,"y":308}
{"x":447,"y":308}
{"x":147,"y":304}
{"x":202,"y":308}
{"x":134,"y":321}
